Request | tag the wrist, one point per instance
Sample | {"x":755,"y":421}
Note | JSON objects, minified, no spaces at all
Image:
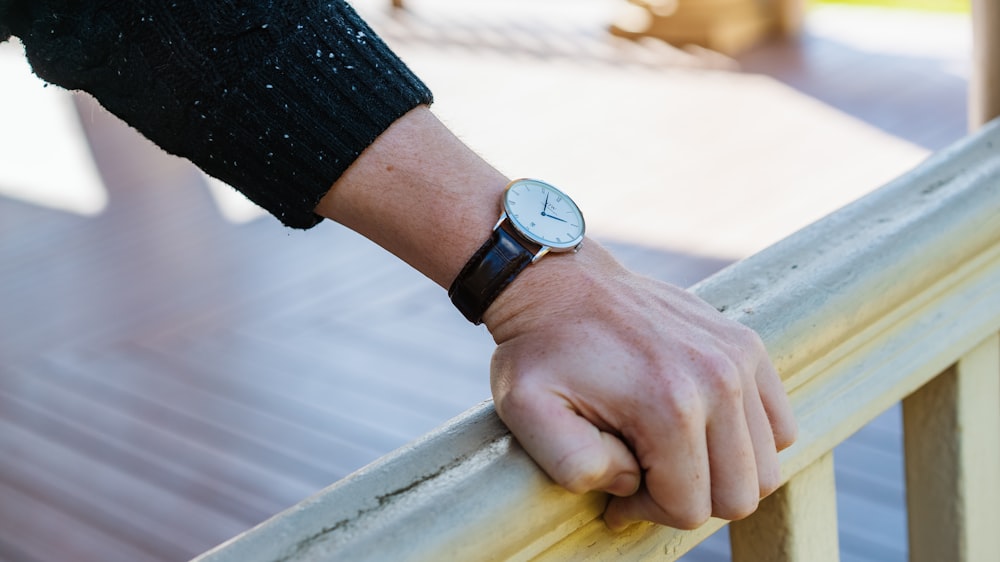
{"x":546,"y":289}
{"x":537,"y":220}
{"x":421,"y":194}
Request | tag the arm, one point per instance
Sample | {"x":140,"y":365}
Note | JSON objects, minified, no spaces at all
{"x":276,"y":98}
{"x":611,"y":381}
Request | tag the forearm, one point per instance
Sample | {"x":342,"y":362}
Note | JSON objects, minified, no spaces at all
{"x":421,"y":194}
{"x":276,"y":99}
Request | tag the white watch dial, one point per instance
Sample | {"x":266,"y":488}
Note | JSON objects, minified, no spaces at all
{"x":544,"y":214}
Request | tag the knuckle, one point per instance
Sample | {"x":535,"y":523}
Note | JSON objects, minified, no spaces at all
{"x":690,"y":519}
{"x":722,"y":377}
{"x":681,"y":400}
{"x":769,"y":480}
{"x":748,"y":339}
{"x":687,"y":511}
{"x":735,"y":510}
{"x":516,"y":400}
{"x":748,"y":348}
{"x":769,"y":486}
{"x":786,"y":434}
{"x":580,"y":471}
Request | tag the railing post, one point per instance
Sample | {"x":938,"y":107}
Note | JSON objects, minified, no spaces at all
{"x":798,"y":523}
{"x":984,"y":91}
{"x":952,"y":440}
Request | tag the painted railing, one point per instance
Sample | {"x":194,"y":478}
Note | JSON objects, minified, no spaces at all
{"x":895,"y":297}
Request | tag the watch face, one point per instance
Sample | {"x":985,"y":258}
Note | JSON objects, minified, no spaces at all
{"x":544,"y":214}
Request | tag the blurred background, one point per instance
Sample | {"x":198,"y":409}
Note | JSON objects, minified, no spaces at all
{"x":176,"y":367}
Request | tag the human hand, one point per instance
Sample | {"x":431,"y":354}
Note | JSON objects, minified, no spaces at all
{"x":616,"y":382}
{"x":609,"y":380}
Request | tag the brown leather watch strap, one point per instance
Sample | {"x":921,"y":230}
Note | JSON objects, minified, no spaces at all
{"x":494,"y":265}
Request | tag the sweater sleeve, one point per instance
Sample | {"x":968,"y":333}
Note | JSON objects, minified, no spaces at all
{"x":275,"y":97}
{"x":4,"y":17}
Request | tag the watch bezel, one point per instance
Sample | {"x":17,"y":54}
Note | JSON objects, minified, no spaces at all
{"x":524,"y":231}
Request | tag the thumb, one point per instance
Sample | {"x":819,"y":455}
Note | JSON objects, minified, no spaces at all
{"x":569,"y":448}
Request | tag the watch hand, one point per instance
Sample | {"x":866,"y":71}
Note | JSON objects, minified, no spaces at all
{"x":545,"y":206}
{"x":554,"y":217}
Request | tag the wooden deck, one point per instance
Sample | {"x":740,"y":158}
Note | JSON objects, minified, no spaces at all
{"x":169,"y":377}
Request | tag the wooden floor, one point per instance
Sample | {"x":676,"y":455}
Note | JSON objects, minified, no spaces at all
{"x":169,"y":378}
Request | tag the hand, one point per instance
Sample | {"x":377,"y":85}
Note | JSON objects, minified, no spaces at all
{"x":637,"y":388}
{"x":609,"y":380}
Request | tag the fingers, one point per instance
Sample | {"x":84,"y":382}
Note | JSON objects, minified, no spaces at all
{"x":709,"y":450}
{"x":657,"y":385}
{"x":765,"y":453}
{"x":698,"y":466}
{"x":677,"y":486}
{"x":722,"y":472}
{"x":777,"y":408}
{"x":733,"y":458}
{"x":570,"y":449}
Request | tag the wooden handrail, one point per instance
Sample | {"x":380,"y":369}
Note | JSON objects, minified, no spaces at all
{"x":858,"y":311}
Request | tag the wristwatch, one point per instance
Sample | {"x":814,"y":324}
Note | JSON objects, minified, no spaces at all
{"x":536,"y":219}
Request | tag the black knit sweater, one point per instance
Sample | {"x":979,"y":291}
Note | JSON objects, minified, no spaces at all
{"x":275,"y":97}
